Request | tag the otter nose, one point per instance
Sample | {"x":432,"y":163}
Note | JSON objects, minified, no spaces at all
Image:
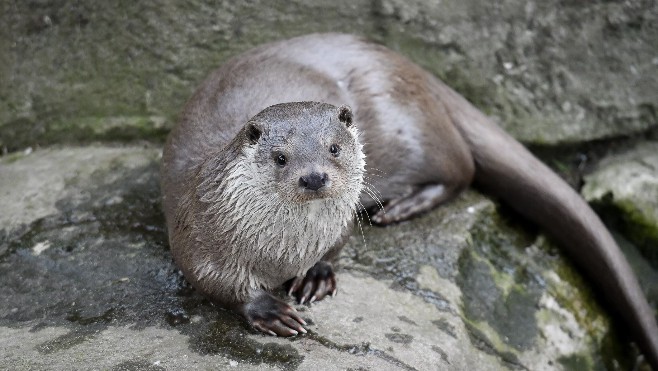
{"x":313,"y":181}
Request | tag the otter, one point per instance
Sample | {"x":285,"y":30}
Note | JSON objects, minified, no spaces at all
{"x":270,"y":205}
{"x":222,"y":176}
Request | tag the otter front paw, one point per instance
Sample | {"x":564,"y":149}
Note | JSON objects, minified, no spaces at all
{"x":272,"y":316}
{"x":318,"y":282}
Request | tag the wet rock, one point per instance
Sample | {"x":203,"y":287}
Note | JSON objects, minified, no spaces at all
{"x":86,"y":273}
{"x":548,"y":71}
{"x":39,"y":183}
{"x":88,"y":279}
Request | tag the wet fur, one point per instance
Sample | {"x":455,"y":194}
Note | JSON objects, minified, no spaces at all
{"x":240,"y":228}
{"x":424,"y":144}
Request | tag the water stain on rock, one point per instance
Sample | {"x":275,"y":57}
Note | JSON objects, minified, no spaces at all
{"x":407,"y":320}
{"x":137,"y":365}
{"x":100,"y":255}
{"x":400,"y":338}
{"x":69,"y":340}
{"x":446,"y":327}
{"x":442,"y":353}
{"x":227,"y":337}
{"x":497,"y":289}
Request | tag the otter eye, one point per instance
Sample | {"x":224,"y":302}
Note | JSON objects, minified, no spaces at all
{"x":281,"y":160}
{"x":334,"y":149}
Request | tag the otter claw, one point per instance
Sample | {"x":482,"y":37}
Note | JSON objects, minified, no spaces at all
{"x":295,"y":284}
{"x":272,"y":316}
{"x":318,"y":282}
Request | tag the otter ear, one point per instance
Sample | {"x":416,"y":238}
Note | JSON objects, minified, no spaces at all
{"x":345,"y":115}
{"x":253,"y":133}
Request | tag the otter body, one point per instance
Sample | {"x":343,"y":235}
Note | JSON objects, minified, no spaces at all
{"x":267,"y":207}
{"x":425,"y":141}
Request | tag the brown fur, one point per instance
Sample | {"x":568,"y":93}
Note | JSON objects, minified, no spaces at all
{"x":425,"y":141}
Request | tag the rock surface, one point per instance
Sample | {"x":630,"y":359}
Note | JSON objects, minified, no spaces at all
{"x":88,"y":280}
{"x":548,"y":71}
{"x":626,"y":186}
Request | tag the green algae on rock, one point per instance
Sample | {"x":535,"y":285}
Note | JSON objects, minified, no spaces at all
{"x":625,"y":188}
{"x":88,"y":273}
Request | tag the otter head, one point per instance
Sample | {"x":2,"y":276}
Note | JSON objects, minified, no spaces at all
{"x":306,"y":151}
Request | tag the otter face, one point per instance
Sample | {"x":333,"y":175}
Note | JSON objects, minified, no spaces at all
{"x":310,"y":150}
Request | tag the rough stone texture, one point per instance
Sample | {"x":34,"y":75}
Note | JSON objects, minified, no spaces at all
{"x":35,"y":185}
{"x":88,"y":280}
{"x":626,"y":186}
{"x":548,"y":71}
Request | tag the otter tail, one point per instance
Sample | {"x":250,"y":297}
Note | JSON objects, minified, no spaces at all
{"x":508,"y":170}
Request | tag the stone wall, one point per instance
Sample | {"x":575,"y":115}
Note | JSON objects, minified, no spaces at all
{"x":548,"y":71}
